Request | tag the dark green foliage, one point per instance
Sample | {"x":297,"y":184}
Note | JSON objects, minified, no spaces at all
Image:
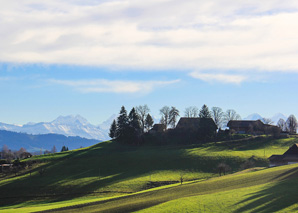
{"x":113,"y":130}
{"x":128,"y":129}
{"x":64,"y":148}
{"x":122,"y":124}
{"x":148,"y":122}
{"x":134,"y":129}
{"x":204,"y":112}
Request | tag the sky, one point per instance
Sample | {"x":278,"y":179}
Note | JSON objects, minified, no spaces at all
{"x":91,"y":57}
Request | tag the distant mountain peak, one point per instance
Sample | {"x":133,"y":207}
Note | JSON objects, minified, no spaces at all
{"x":70,"y":119}
{"x":254,"y":116}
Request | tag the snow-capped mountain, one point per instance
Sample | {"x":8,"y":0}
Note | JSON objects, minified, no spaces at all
{"x":254,"y":116}
{"x":107,"y":124}
{"x":278,"y":116}
{"x":274,"y":119}
{"x":64,"y":125}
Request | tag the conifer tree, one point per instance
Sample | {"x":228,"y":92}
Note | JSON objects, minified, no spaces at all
{"x":113,"y":130}
{"x":134,"y":129}
{"x":148,"y":122}
{"x":122,"y":124}
{"x":134,"y":120}
{"x":204,"y":112}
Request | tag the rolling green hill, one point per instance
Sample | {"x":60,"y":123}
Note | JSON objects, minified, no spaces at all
{"x":110,"y":169}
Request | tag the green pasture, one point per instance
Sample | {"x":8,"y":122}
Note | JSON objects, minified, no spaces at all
{"x":263,"y":190}
{"x":109,"y":169}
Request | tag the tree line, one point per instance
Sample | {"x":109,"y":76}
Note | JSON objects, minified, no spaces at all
{"x":290,"y":125}
{"x":128,"y":127}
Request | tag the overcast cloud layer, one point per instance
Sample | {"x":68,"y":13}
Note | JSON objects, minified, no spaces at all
{"x":195,"y":36}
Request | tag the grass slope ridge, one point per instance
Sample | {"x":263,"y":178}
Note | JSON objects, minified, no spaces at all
{"x":280,"y":179}
{"x":110,"y":169}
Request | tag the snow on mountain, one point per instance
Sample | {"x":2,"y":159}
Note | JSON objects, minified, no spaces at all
{"x":254,"y":116}
{"x":107,"y":124}
{"x":278,"y":116}
{"x":64,"y":125}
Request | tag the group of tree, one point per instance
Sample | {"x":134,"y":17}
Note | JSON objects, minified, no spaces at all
{"x":128,"y":128}
{"x":290,"y":125}
{"x":169,"y":116}
{"x":10,"y":155}
{"x":220,"y":117}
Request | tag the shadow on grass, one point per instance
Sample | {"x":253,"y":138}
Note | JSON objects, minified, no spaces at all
{"x":87,"y":171}
{"x":278,"y":196}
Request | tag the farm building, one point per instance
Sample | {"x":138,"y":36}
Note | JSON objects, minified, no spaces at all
{"x":194,"y":124}
{"x":252,"y":127}
{"x":289,"y":157}
{"x":158,"y":128}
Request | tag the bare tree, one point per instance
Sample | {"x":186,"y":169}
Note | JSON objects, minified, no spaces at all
{"x":165,"y":116}
{"x":191,"y":112}
{"x":223,"y":168}
{"x":267,"y":121}
{"x":54,"y":149}
{"x":231,"y":115}
{"x":142,"y":112}
{"x":174,"y":114}
{"x":217,"y":114}
{"x":282,"y":124}
{"x":292,"y":124}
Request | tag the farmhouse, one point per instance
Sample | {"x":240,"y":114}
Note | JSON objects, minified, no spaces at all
{"x":5,"y":167}
{"x":252,"y":127}
{"x":158,"y":128}
{"x":289,"y":157}
{"x":194,"y":124}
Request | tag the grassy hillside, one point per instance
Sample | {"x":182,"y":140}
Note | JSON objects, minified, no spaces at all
{"x":109,"y":169}
{"x":267,"y":190}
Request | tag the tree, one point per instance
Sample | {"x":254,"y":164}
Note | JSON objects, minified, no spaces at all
{"x":282,"y":124}
{"x":223,"y":168}
{"x":191,"y":112}
{"x":122,"y":123}
{"x":204,"y":112}
{"x":231,"y":115}
{"x":133,"y":120}
{"x":142,"y":112}
{"x":174,"y":114}
{"x":291,"y":124}
{"x":113,"y":130}
{"x":148,"y":122}
{"x":217,"y":114}
{"x":267,"y":121}
{"x":64,"y":149}
{"x":165,"y":116}
{"x":54,"y":149}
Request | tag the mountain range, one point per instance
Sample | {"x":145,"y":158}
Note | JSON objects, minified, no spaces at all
{"x":40,"y":143}
{"x":274,"y":119}
{"x":64,"y":125}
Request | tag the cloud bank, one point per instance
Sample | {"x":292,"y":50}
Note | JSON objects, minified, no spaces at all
{"x":108,"y":86}
{"x":154,"y":35}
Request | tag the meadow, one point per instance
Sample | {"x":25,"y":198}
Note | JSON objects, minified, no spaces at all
{"x":108,"y":169}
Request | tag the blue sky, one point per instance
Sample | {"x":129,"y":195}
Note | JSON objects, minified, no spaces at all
{"x":92,"y":57}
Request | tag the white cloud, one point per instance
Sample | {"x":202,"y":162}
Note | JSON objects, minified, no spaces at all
{"x":222,"y":78}
{"x":108,"y":86}
{"x":167,"y":34}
